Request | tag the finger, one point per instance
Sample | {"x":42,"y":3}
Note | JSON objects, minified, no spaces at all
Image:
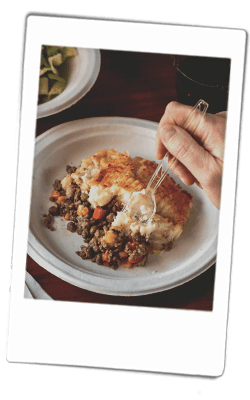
{"x":222,"y":114}
{"x":181,"y":171}
{"x":176,"y":114}
{"x":208,"y":132}
{"x":177,"y":168}
{"x":182,"y":146}
{"x":160,"y":149}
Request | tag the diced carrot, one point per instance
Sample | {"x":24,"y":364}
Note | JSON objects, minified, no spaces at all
{"x":136,"y":260}
{"x":110,"y":237}
{"x":106,"y":263}
{"x":105,"y":256}
{"x":61,"y":199}
{"x":99,"y":213}
{"x":55,"y":193}
{"x":82,"y":210}
{"x":67,"y":216}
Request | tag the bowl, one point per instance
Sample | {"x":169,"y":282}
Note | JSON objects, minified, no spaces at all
{"x":83,"y":72}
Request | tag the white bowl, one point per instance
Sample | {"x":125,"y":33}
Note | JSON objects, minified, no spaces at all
{"x":84,"y":70}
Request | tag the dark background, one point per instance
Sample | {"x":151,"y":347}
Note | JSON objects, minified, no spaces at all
{"x":44,"y":381}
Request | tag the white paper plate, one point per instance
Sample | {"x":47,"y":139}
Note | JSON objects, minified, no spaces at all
{"x":68,"y":144}
{"x":84,"y":70}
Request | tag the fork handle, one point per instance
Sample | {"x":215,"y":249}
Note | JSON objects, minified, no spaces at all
{"x":159,"y":175}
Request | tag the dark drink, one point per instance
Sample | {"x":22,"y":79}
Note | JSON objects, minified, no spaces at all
{"x":203,"y":78}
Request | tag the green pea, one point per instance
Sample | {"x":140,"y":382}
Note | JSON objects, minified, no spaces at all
{"x":92,"y":230}
{"x":84,"y":196}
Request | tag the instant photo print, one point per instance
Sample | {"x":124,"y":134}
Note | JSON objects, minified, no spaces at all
{"x":92,"y":283}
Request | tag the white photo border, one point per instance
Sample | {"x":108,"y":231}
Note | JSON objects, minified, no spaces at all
{"x":108,"y":336}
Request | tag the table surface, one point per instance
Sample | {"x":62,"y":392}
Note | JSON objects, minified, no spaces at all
{"x":135,"y":85}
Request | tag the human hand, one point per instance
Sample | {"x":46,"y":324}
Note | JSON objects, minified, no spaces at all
{"x":200,"y":155}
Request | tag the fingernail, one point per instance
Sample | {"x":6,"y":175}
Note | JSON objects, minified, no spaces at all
{"x":182,"y":179}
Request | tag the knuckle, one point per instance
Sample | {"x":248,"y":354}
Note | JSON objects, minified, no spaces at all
{"x":171,"y":107}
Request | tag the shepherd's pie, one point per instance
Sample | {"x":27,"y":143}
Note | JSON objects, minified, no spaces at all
{"x":91,"y":197}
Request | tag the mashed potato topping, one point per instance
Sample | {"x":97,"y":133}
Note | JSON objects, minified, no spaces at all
{"x":99,"y":196}
{"x":127,"y":222}
{"x":109,"y":174}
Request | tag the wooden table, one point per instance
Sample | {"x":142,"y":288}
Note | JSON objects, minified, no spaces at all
{"x":137,"y":85}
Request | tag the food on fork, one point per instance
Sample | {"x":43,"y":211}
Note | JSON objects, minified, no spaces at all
{"x":91,"y":197}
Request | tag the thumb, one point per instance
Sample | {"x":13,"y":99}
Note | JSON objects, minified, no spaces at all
{"x":186,"y":150}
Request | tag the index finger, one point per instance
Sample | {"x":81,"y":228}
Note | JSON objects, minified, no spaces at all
{"x":186,"y":117}
{"x":210,"y":129}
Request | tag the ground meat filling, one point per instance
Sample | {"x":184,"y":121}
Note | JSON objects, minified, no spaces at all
{"x":70,"y":170}
{"x":103,"y":245}
{"x":48,"y":219}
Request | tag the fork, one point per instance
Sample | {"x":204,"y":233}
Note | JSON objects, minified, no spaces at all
{"x":145,"y":210}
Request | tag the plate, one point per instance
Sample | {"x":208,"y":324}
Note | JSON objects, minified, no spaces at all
{"x":68,"y":144}
{"x":84,"y":70}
